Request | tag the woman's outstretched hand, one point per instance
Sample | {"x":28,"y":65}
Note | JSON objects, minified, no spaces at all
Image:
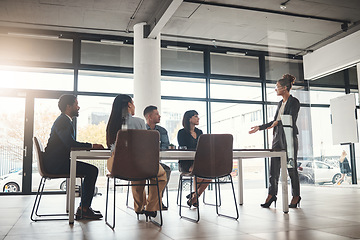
{"x":254,"y":129}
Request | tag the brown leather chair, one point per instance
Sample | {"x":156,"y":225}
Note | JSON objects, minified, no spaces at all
{"x":45,"y":175}
{"x":136,"y":158}
{"x":213,"y":160}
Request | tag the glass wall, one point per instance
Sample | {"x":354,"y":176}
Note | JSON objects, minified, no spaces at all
{"x":12,"y":118}
{"x":36,"y":78}
{"x":34,"y":48}
{"x":105,"y":82}
{"x":183,"y":87}
{"x":235,"y":90}
{"x":275,"y":67}
{"x":172,"y":112}
{"x":93,"y":117}
{"x":182,"y":60}
{"x":227,"y":64}
{"x":108,"y":53}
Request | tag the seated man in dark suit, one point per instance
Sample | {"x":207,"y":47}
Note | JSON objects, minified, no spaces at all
{"x":152,"y":117}
{"x":57,"y":154}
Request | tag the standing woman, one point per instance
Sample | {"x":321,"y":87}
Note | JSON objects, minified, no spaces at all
{"x":188,"y":137}
{"x":121,"y":115}
{"x":344,"y":167}
{"x":289,"y":105}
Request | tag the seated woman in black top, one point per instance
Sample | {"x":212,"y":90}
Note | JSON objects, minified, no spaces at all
{"x":188,"y":137}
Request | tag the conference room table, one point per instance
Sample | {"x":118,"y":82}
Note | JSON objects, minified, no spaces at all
{"x":174,"y":154}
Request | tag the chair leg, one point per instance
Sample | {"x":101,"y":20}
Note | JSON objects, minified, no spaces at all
{"x":37,"y":200}
{"x":197,"y":201}
{"x":167,"y":196}
{"x":177,"y":197}
{"x":81,"y":194}
{"x":112,"y":226}
{"x":217,"y":183}
{"x":211,"y":204}
{"x":37,"y":204}
{"x":127,"y":197}
{"x":160,"y":201}
{"x":107,"y":199}
{"x":180,"y":187}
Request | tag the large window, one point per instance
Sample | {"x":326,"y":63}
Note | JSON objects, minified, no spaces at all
{"x":237,"y":90}
{"x":12,"y":143}
{"x":35,"y":48}
{"x":107,"y":53}
{"x":297,"y":91}
{"x":182,"y":61}
{"x":238,"y":119}
{"x":37,"y":78}
{"x":91,"y":127}
{"x":321,"y":95}
{"x":235,"y":65}
{"x":105,"y":82}
{"x":183,"y":87}
{"x":172,"y":112}
{"x":276,"y":67}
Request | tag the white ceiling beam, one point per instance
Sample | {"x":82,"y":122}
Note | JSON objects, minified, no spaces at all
{"x":165,"y":11}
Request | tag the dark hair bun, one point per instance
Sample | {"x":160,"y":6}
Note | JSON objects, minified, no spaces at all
{"x":289,"y":78}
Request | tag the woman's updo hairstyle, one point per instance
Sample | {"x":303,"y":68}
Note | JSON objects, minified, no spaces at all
{"x":287,"y":81}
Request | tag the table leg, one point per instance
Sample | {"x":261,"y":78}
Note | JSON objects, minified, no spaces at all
{"x":67,"y":195}
{"x":72,"y":186}
{"x":240,"y":182}
{"x":284,"y":183}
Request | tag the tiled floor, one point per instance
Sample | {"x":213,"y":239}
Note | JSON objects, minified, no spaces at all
{"x":326,"y":213}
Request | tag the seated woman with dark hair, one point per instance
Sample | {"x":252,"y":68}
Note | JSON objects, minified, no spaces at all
{"x":121,"y":115}
{"x":188,"y":137}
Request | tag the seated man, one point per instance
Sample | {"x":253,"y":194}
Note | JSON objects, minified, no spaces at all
{"x":57,"y":154}
{"x":152,"y":117}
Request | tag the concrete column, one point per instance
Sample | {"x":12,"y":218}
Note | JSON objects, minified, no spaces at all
{"x":147,"y":70}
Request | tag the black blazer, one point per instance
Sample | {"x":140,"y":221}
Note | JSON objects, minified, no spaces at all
{"x":62,"y":139}
{"x":185,"y":139}
{"x":292,"y":108}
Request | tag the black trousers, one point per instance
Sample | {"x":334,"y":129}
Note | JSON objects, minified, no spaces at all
{"x":88,"y":187}
{"x":275,"y":169}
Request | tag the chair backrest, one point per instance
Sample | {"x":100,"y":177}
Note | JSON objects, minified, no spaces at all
{"x":40,"y":158}
{"x":136,"y":154}
{"x":214,"y":155}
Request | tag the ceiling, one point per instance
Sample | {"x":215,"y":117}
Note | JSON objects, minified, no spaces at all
{"x":303,"y":26}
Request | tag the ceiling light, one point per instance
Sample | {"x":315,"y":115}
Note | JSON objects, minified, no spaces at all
{"x":114,"y":42}
{"x":235,"y":53}
{"x":33,"y":35}
{"x":177,"y":48}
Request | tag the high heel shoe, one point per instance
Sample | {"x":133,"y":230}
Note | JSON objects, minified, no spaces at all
{"x":268,"y":203}
{"x":139,"y":213}
{"x":189,"y":195}
{"x":150,"y":214}
{"x":295,"y":205}
{"x":195,"y":204}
